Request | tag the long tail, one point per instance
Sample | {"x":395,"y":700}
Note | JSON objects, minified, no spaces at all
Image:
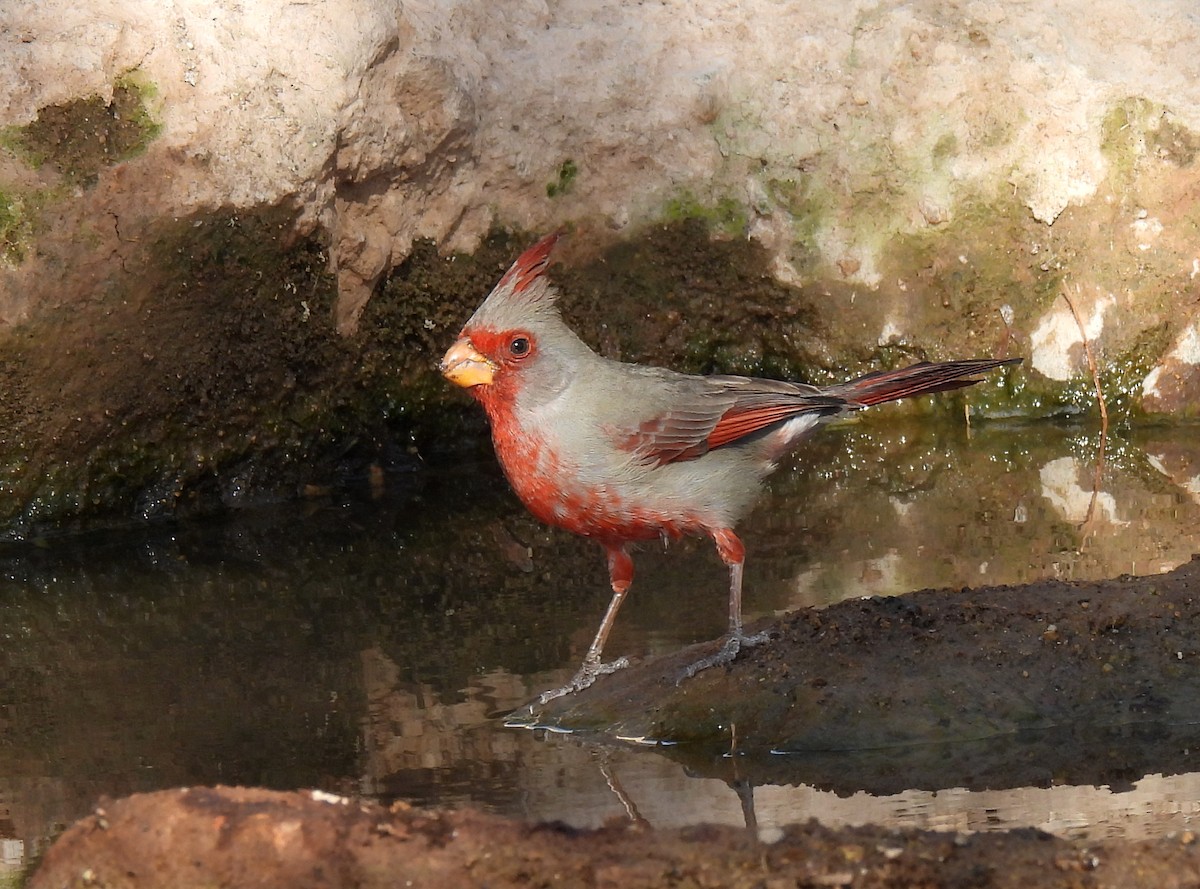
{"x":919,"y":379}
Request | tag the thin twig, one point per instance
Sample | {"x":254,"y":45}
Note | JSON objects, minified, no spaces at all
{"x":1098,"y":471}
{"x":1091,"y":360}
{"x":626,"y":801}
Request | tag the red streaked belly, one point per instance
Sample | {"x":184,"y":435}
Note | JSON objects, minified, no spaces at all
{"x":554,"y":494}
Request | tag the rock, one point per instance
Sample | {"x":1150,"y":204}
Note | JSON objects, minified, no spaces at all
{"x":227,"y":837}
{"x":440,"y":121}
{"x":1173,"y":386}
{"x":989,"y":681}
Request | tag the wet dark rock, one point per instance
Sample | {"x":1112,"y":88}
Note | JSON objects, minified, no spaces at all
{"x":993,"y":687}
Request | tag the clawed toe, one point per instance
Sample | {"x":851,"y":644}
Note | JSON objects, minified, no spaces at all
{"x":587,"y":675}
{"x":726,"y":654}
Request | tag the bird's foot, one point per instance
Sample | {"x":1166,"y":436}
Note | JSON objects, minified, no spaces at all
{"x":726,"y":654}
{"x":588,"y":674}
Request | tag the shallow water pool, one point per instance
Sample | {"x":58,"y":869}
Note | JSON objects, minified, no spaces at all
{"x":366,"y":645}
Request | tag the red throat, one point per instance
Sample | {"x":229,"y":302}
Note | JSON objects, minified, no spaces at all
{"x":497,"y":397}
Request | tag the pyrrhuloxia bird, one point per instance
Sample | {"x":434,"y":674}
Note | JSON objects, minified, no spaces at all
{"x":622,"y":452}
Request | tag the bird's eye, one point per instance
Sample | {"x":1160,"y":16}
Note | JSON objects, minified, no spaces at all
{"x":519,"y":346}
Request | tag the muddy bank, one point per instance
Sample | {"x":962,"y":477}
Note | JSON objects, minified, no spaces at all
{"x":212,"y":837}
{"x":1004,"y":686}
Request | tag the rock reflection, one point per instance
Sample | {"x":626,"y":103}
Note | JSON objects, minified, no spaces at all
{"x":1179,"y":462}
{"x":1061,"y":486}
{"x":568,"y":779}
{"x":1156,"y":806}
{"x":1010,"y":505}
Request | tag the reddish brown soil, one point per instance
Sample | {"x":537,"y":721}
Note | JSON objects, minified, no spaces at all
{"x":226,"y":837}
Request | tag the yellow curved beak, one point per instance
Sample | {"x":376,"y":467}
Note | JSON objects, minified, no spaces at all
{"x":463,"y":365}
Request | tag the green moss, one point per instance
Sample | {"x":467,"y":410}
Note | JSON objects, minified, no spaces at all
{"x":724,"y":215}
{"x":1022,"y":392}
{"x":960,"y":274}
{"x":80,"y":137}
{"x":1123,"y":137}
{"x":809,"y":209}
{"x":1121,"y":376}
{"x":945,"y":148}
{"x":14,"y":227}
{"x":1173,"y":142}
{"x":564,"y":179}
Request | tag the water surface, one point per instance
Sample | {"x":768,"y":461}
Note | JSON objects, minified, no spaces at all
{"x":364,"y":645}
